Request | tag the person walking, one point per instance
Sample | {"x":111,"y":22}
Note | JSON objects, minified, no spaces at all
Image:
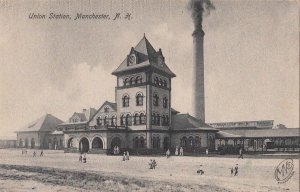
{"x":168,"y":153}
{"x":181,"y":151}
{"x":176,"y":151}
{"x":42,"y":153}
{"x":80,"y":158}
{"x":84,"y":158}
{"x":34,"y":154}
{"x":124,"y":156}
{"x":154,"y":164}
{"x":236,"y":170}
{"x":127,"y":155}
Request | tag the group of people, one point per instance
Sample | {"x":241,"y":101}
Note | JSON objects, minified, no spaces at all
{"x":234,"y":171}
{"x":24,"y":152}
{"x":152,"y":164}
{"x":116,"y":150}
{"x":126,"y":156}
{"x":178,"y":151}
{"x":82,"y":158}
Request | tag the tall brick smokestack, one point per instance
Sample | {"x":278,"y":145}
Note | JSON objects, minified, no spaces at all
{"x":198,"y":7}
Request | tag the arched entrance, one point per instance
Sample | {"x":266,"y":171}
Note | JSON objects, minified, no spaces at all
{"x":115,"y":142}
{"x":84,"y":145}
{"x":166,"y":143}
{"x":97,"y":143}
{"x":20,"y":143}
{"x":70,"y":143}
{"x":32,"y":143}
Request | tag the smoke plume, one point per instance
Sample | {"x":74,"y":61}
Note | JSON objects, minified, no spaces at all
{"x":198,"y":8}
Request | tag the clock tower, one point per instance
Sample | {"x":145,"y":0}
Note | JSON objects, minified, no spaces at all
{"x":143,"y":95}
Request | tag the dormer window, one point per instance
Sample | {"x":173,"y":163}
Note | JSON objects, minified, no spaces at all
{"x":131,"y":59}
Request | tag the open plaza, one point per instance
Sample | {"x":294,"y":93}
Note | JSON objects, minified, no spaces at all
{"x":58,"y":171}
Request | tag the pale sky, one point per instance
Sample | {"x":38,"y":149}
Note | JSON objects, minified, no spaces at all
{"x":61,"y":66}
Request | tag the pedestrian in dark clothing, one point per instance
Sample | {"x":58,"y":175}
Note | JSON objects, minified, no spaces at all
{"x":154,"y":164}
{"x":231,"y":170}
{"x":42,"y":153}
{"x":80,"y":158}
{"x":236,"y":170}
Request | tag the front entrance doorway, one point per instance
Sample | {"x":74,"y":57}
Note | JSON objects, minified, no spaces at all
{"x":84,"y":145}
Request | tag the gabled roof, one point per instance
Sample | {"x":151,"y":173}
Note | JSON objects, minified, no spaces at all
{"x":111,"y":104}
{"x":47,"y":122}
{"x":146,"y":57}
{"x":86,"y":114}
{"x":186,"y":121}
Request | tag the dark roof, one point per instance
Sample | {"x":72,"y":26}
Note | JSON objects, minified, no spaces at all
{"x":186,"y":121}
{"x":174,"y":111}
{"x":146,"y":57}
{"x":47,"y":122}
{"x":261,"y":133}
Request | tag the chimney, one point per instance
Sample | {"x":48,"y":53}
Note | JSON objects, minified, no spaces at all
{"x":198,"y":76}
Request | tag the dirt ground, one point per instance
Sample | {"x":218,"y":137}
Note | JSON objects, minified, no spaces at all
{"x":58,"y":171}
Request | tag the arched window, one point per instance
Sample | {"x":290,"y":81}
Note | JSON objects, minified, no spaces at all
{"x":128,"y":120}
{"x":160,"y":82}
{"x":156,"y":142}
{"x":163,"y":119}
{"x":156,"y":81}
{"x":165,"y":102}
{"x":98,"y":120}
{"x":157,"y":119}
{"x":21,"y":143}
{"x":183,"y":142}
{"x":155,"y":100}
{"x":153,"y":118}
{"x":122,"y":119}
{"x":167,"y":120}
{"x":114,"y":120}
{"x":126,"y":82}
{"x":132,"y":81}
{"x":165,"y":84}
{"x":125,"y":101}
{"x":142,"y":142}
{"x":138,"y":79}
{"x":142,"y":118}
{"x":197,"y":141}
{"x":136,"y":119}
{"x":191,"y":142}
{"x":136,"y":142}
{"x":70,"y":143}
{"x":105,"y":122}
{"x":139,"y":99}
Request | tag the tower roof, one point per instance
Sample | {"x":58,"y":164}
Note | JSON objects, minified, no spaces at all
{"x":146,"y":57}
